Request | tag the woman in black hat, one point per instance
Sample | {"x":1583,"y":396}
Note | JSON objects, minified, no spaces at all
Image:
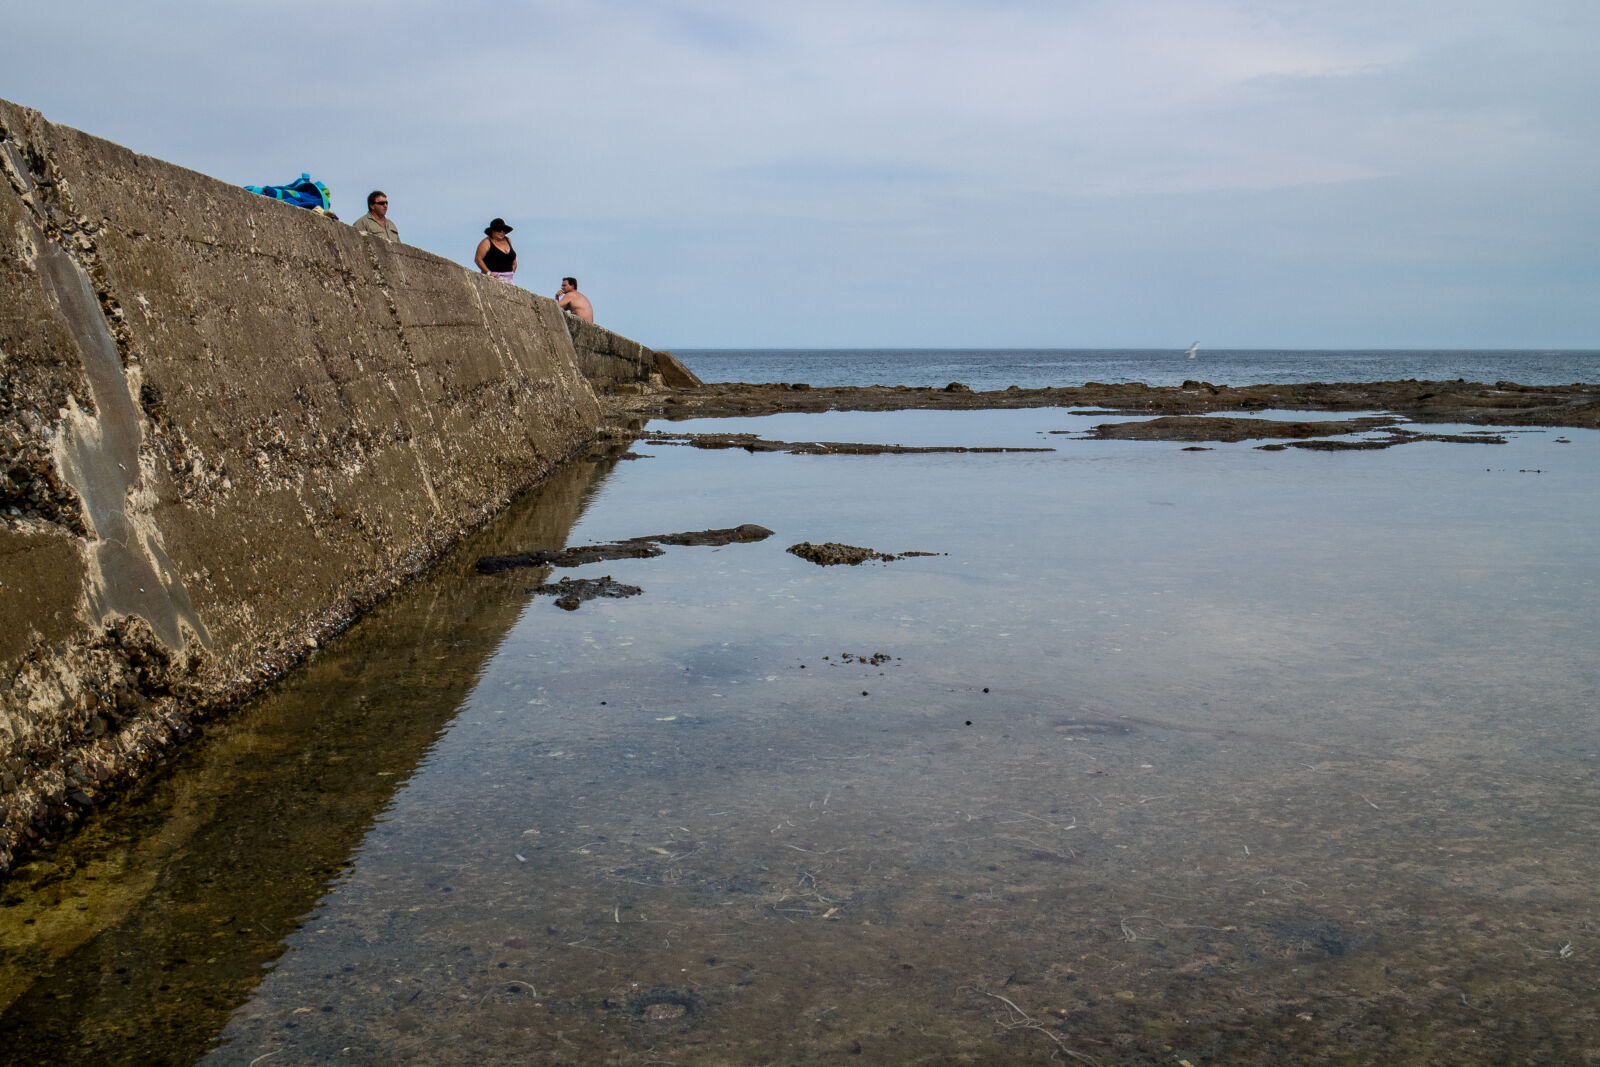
{"x":495,"y":254}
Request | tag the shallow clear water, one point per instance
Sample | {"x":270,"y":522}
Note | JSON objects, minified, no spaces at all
{"x":1029,"y":368}
{"x":1229,"y":756}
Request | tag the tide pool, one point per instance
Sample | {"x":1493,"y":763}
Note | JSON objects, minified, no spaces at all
{"x":1225,"y":755}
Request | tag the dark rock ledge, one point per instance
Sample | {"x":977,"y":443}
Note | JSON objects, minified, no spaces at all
{"x":1476,"y":403}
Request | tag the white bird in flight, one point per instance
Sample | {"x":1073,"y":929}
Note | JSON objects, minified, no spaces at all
{"x":1193,"y":349}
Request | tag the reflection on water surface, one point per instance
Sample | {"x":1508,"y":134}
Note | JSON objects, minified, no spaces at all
{"x":1228,"y":756}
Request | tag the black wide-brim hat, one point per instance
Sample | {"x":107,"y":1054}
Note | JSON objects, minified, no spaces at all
{"x":497,"y":224}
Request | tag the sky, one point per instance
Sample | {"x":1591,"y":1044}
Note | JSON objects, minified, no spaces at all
{"x":911,"y":173}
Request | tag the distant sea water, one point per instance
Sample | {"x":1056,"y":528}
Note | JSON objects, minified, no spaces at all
{"x":1029,"y":368}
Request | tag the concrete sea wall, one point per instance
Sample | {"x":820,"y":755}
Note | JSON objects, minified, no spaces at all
{"x":615,"y":363}
{"x":227,"y":426}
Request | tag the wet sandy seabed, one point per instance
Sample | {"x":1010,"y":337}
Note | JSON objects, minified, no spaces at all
{"x":1226,"y":757}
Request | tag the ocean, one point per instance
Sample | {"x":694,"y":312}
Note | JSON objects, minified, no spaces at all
{"x":1031,"y":368}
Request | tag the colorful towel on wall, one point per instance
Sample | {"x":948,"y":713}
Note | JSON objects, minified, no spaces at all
{"x":301,"y":193}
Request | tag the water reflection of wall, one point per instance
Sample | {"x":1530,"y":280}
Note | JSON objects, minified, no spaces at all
{"x":133,"y":942}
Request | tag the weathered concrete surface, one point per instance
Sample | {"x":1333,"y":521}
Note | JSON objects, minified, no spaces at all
{"x":226,"y":427}
{"x":613,"y":363}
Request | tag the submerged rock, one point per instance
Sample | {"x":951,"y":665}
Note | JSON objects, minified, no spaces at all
{"x":1221,"y":428}
{"x":752,"y":443}
{"x":745,"y":533}
{"x":570,"y":593}
{"x":832,"y":552}
{"x":1317,"y":435}
{"x":631,"y":548}
{"x":568,"y":557}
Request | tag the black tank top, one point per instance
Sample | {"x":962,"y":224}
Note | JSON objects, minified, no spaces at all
{"x":497,"y":260}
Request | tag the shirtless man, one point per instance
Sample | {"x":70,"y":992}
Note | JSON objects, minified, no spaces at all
{"x":376,"y":220}
{"x":574,"y":302}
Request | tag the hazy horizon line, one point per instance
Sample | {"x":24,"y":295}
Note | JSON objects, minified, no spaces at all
{"x":1107,"y":348}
